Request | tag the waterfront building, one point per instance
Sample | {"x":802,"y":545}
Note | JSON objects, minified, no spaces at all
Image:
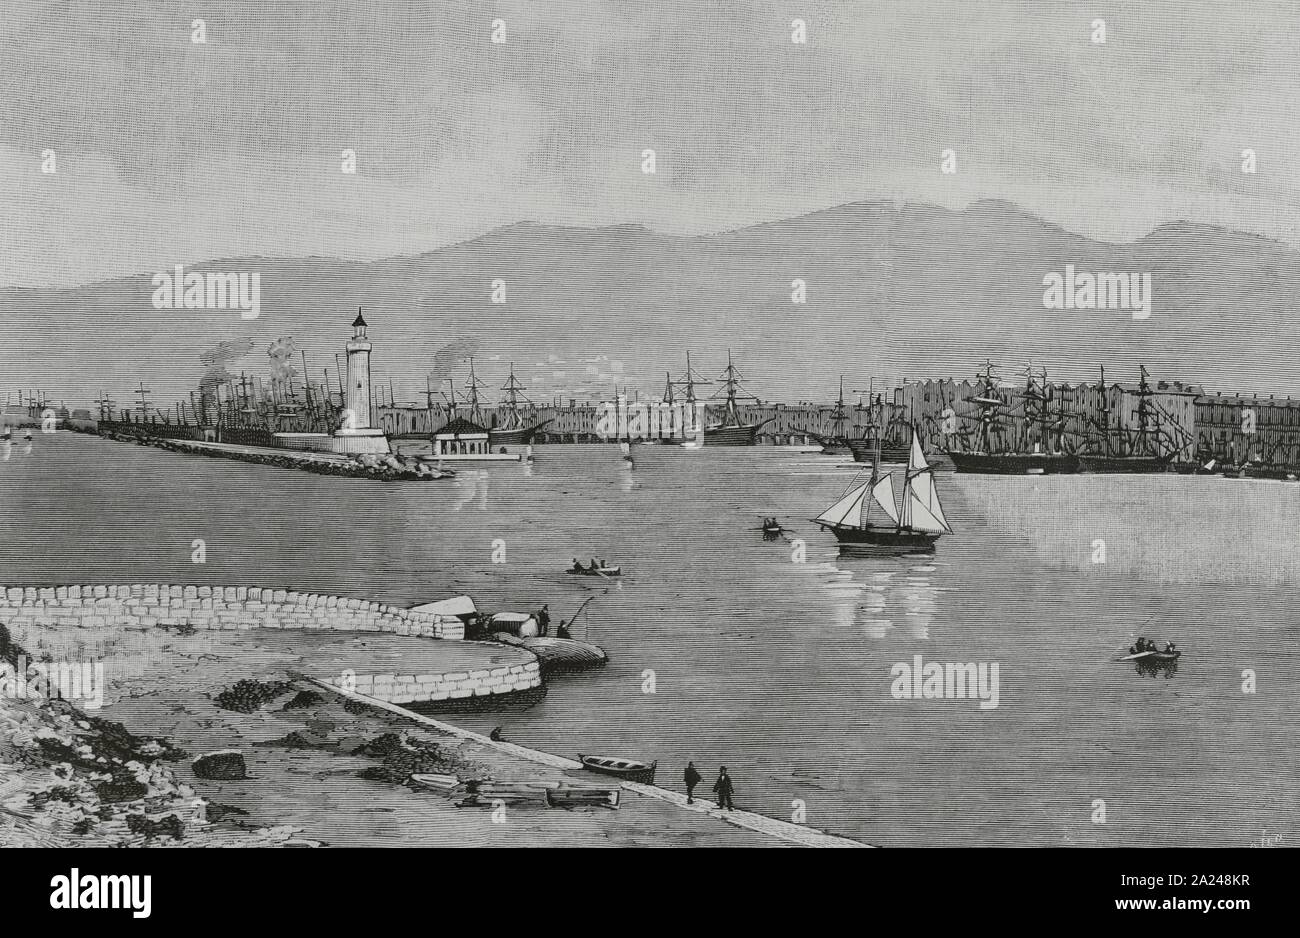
{"x":460,"y":437}
{"x":1235,"y":429}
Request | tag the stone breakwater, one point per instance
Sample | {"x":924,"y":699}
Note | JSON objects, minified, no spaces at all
{"x":389,"y":468}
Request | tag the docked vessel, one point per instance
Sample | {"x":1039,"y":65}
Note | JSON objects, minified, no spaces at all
{"x":1115,"y":449}
{"x":1045,"y":456}
{"x":875,"y":442}
{"x":920,"y":522}
{"x":517,"y":428}
{"x":731,"y":430}
{"x":865,"y":442}
{"x":838,"y":442}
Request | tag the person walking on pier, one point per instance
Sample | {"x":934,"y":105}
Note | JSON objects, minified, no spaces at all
{"x":723,"y":787}
{"x":692,"y":778}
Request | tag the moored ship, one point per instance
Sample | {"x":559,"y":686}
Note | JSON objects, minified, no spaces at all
{"x":515,"y":428}
{"x":991,"y":457}
{"x":1114,"y":449}
{"x":732,"y":430}
{"x":863,"y":443}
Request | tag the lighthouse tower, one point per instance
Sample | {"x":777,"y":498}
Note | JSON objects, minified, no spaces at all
{"x":355,"y":434}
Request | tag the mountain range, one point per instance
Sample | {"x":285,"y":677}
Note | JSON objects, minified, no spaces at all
{"x":893,"y":291}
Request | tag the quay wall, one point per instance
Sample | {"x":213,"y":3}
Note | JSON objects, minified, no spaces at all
{"x":227,"y":607}
{"x":211,"y":607}
{"x":1193,"y":425}
{"x":448,"y":686}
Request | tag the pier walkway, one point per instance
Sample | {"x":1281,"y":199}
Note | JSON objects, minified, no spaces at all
{"x":783,"y":830}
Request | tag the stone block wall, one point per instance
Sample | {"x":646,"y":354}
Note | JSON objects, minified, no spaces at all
{"x":212,"y":607}
{"x":453,"y":685}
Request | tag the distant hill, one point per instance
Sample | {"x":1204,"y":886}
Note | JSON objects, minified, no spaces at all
{"x":893,"y":290}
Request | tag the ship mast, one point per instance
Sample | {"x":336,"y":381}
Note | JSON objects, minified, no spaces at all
{"x":731,"y":381}
{"x":688,"y":381}
{"x":471,"y":397}
{"x":988,"y":400}
{"x":1105,"y":414}
{"x":838,"y":415}
{"x":1144,"y":393}
{"x":512,"y":388}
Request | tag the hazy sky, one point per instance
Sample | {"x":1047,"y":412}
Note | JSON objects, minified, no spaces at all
{"x":171,"y":151}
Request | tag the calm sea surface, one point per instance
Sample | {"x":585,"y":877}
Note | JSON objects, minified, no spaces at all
{"x":775,"y":660}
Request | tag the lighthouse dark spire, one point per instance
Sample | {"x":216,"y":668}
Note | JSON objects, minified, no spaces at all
{"x":359,"y":322}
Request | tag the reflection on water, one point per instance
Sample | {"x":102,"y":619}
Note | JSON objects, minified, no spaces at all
{"x":774,"y":657}
{"x":1148,"y":668}
{"x":881,"y":592}
{"x":471,"y":484}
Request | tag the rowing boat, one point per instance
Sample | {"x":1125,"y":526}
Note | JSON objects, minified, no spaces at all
{"x":582,"y":797}
{"x":629,"y":769}
{"x":1152,"y":656}
{"x":435,"y":781}
{"x":598,"y":571}
{"x":486,"y":793}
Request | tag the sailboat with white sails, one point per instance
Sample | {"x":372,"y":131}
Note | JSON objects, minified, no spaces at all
{"x":918,"y":524}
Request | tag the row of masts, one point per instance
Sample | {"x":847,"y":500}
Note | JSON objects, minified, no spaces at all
{"x":1046,"y":420}
{"x":468,"y":399}
{"x":242,"y":401}
{"x":874,"y":409}
{"x":731,"y":391}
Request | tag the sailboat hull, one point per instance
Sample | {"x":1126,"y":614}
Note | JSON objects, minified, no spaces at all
{"x":881,"y":537}
{"x":1015,"y":463}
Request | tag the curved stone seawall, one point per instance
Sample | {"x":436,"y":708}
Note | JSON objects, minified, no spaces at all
{"x":449,"y":686}
{"x":475,"y":669}
{"x":213,"y":607}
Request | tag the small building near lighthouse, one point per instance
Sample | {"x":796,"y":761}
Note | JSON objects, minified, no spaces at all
{"x":463,"y":440}
{"x":460,"y":437}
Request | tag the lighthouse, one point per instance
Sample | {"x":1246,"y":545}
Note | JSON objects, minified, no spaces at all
{"x":358,"y":349}
{"x":355,"y":434}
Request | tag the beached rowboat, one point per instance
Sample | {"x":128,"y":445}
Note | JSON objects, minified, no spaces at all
{"x":629,"y":769}
{"x":434,"y":781}
{"x":582,"y":797}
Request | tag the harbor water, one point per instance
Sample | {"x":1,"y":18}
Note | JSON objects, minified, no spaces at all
{"x":774,"y":657}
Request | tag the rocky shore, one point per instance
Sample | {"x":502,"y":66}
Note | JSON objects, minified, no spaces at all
{"x":211,"y":738}
{"x":70,"y":778}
